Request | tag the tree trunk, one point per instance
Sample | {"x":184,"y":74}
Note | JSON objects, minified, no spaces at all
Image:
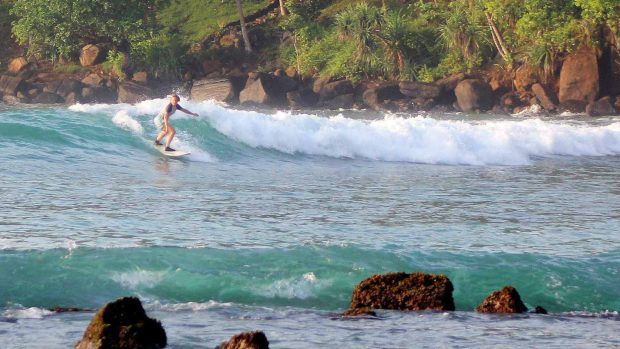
{"x":283,"y":11}
{"x":497,"y":38}
{"x":244,"y":32}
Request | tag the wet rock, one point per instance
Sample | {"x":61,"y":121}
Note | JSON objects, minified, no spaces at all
{"x":223,"y":90}
{"x":510,"y":101}
{"x":93,"y":80}
{"x":101,"y":94}
{"x":339,"y":102}
{"x":473,"y":95}
{"x":265,"y":89}
{"x":415,"y":89}
{"x":601,"y":107}
{"x":67,"y":310}
{"x":123,"y":324}
{"x":246,"y":340}
{"x":132,"y":92}
{"x":525,"y":77}
{"x":335,"y":89}
{"x":545,"y":96}
{"x":10,"y":99}
{"x":211,"y":66}
{"x":17,"y":65}
{"x":48,"y":98}
{"x":319,"y":83}
{"x":375,"y":97}
{"x":447,"y":86}
{"x":540,"y":310}
{"x":302,"y":98}
{"x":579,"y":78}
{"x":10,"y":85}
{"x":359,"y":312}
{"x":91,"y":55}
{"x":402,"y":291}
{"x":572,"y":106}
{"x":507,"y":300}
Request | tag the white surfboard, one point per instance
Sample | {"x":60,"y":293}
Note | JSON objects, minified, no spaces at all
{"x":175,"y":154}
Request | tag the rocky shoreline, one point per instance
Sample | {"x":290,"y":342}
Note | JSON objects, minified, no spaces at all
{"x":578,"y":89}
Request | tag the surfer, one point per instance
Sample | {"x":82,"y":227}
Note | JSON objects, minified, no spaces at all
{"x":162,"y":121}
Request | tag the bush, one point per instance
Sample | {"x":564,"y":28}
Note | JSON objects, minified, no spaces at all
{"x":160,"y":55}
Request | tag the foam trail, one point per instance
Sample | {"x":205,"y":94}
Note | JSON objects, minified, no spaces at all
{"x":123,"y":120}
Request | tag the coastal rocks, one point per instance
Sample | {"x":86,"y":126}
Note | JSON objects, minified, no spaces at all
{"x":415,"y":89}
{"x":211,"y":66}
{"x":141,"y":76}
{"x":246,"y":340}
{"x":507,"y":300}
{"x":48,"y":98}
{"x":99,"y":94}
{"x":601,"y":107}
{"x":17,"y":65}
{"x":544,"y":96}
{"x":473,"y":95}
{"x":402,"y":291}
{"x":132,"y":92}
{"x":339,"y":102}
{"x":579,"y":78}
{"x":123,"y":324}
{"x":359,"y":312}
{"x":302,"y":98}
{"x":265,"y":89}
{"x":222,"y":90}
{"x":377,"y":97}
{"x":10,"y":85}
{"x":334,"y":89}
{"x":93,"y":80}
{"x":525,"y":77}
{"x":91,"y":55}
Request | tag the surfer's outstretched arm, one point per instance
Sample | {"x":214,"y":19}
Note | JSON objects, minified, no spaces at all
{"x":187,"y":111}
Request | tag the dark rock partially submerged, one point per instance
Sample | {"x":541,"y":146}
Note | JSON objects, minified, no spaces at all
{"x":246,"y":340}
{"x":507,"y":300}
{"x":601,"y":107}
{"x":123,"y":324}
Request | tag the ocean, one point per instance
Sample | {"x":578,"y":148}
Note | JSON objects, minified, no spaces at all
{"x":275,"y":217}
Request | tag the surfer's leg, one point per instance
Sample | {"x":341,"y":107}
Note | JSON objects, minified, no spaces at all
{"x":159,"y":137}
{"x":171,"y":133}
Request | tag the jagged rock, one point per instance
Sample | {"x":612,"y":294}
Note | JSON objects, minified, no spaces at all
{"x":525,"y":77}
{"x":545,"y":96}
{"x":540,"y":310}
{"x":415,"y":89}
{"x":473,"y":95}
{"x":91,"y":55}
{"x":69,"y":86}
{"x":334,"y":89}
{"x":48,"y":98}
{"x":447,"y":86}
{"x":266,"y":90}
{"x":10,"y":85}
{"x":140,"y":76}
{"x":402,"y":291}
{"x":601,"y":107}
{"x":101,"y":94}
{"x":93,"y":80}
{"x":246,"y":340}
{"x":132,"y":92}
{"x":123,"y":324}
{"x":291,"y":72}
{"x":302,"y":98}
{"x":17,"y":65}
{"x":375,"y":97}
{"x":223,"y":90}
{"x":507,"y":300}
{"x":339,"y":102}
{"x":579,"y":78}
{"x":359,"y":312}
{"x":73,"y":98}
{"x":318,"y":84}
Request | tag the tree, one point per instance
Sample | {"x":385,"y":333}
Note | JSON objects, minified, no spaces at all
{"x":244,"y":31}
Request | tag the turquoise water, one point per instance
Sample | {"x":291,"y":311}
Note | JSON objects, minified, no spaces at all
{"x":275,"y":217}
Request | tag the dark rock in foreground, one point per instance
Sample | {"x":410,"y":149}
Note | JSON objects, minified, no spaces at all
{"x":601,"y":107}
{"x":265,"y":89}
{"x":402,"y":291}
{"x":474,"y":95}
{"x":246,"y":340}
{"x":507,"y":300}
{"x":123,"y":324}
{"x":359,"y":312}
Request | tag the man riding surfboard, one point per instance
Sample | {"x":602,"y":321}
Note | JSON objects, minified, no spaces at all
{"x":162,"y":121}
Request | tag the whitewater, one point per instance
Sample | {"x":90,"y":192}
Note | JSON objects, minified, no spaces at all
{"x":276,"y":216}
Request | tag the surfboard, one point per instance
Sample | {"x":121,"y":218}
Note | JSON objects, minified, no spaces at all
{"x":175,"y":154}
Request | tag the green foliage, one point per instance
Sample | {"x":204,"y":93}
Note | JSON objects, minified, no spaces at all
{"x":115,"y":62}
{"x":70,"y":68}
{"x":159,"y":54}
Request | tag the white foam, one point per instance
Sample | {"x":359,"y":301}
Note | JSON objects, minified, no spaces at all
{"x":123,"y":120}
{"x":294,"y":288}
{"x":27,"y":313}
{"x":139,"y":278}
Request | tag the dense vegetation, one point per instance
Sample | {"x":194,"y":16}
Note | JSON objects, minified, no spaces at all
{"x":354,"y":39}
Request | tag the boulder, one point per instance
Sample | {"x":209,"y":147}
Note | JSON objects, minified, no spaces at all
{"x":132,"y":92}
{"x":509,"y":101}
{"x":318,"y":84}
{"x":473,"y":95}
{"x":91,"y":55}
{"x":265,"y":89}
{"x":402,"y":291}
{"x":359,"y":312}
{"x":375,"y":97}
{"x":222,"y":90}
{"x":415,"y":89}
{"x":69,"y":86}
{"x":540,"y":310}
{"x":545,"y":96}
{"x":140,"y":76}
{"x":339,"y":102}
{"x":334,"y":89}
{"x":93,"y":80}
{"x":617,"y":103}
{"x":101,"y":94}
{"x":246,"y":340}
{"x":211,"y":65}
{"x":579,"y":78}
{"x":10,"y":99}
{"x":17,"y":65}
{"x":525,"y":77}
{"x":302,"y":98}
{"x":52,"y":86}
{"x":601,"y":107}
{"x":10,"y":85}
{"x":48,"y":98}
{"x":291,"y":72}
{"x":123,"y":324}
{"x":507,"y":300}
{"x":447,"y":86}
{"x":572,"y":106}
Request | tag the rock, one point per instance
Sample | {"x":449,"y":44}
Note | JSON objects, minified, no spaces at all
{"x":69,"y":86}
{"x":579,"y":78}
{"x":402,"y":291}
{"x":302,"y":98}
{"x":291,"y":72}
{"x":246,"y":340}
{"x":334,"y":89}
{"x":73,"y":98}
{"x":544,"y":96}
{"x":10,"y":85}
{"x":279,"y":72}
{"x":473,"y":95}
{"x":318,"y":84}
{"x":211,"y":66}
{"x":10,"y":99}
{"x":601,"y":107}
{"x":33,"y":92}
{"x":17,"y":65}
{"x":123,"y":324}
{"x":509,"y":101}
{"x":93,"y":80}
{"x":540,"y":310}
{"x":507,"y":300}
{"x":91,"y":55}
{"x":264,"y":89}
{"x":223,"y":90}
{"x":415,"y":89}
{"x":375,"y":97}
{"x":447,"y":86}
{"x":132,"y":92}
{"x":359,"y":312}
{"x":230,"y":40}
{"x":525,"y":77}
{"x":48,"y":98}
{"x":66,"y":310}
{"x":52,"y":86}
{"x":572,"y":106}
{"x":339,"y":102}
{"x":140,"y":76}
{"x":101,"y":94}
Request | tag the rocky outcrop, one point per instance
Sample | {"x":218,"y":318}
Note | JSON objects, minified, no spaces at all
{"x":246,"y":340}
{"x":473,"y":95}
{"x":579,"y":78}
{"x":141,"y":76}
{"x":447,"y":86}
{"x":222,"y":90}
{"x":123,"y":324}
{"x":507,"y":300}
{"x":339,"y":102}
{"x":93,"y":80}
{"x":265,"y":89}
{"x":335,"y":89}
{"x":132,"y":92}
{"x":302,"y":98}
{"x":99,"y":94}
{"x":359,"y":312}
{"x":10,"y":85}
{"x":545,"y":96}
{"x":525,"y":77}
{"x":376,"y":97}
{"x":91,"y":55}
{"x":402,"y":291}
{"x":415,"y":89}
{"x":17,"y":65}
{"x":211,"y":66}
{"x":601,"y":107}
{"x":319,"y":83}
{"x":48,"y":98}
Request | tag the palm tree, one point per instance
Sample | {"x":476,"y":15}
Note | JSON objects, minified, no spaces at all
{"x":244,"y":32}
